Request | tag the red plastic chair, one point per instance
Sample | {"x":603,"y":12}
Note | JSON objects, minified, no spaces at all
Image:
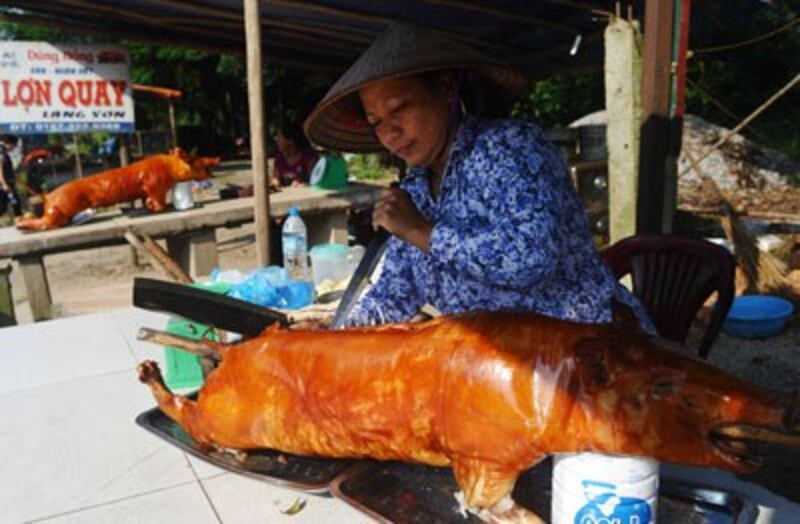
{"x":672,"y":277}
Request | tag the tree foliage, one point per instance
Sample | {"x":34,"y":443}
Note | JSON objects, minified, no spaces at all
{"x":723,"y":86}
{"x":728,"y":84}
{"x":562,"y":98}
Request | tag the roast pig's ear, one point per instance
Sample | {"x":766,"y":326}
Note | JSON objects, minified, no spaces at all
{"x":209,"y":161}
{"x":592,"y":355}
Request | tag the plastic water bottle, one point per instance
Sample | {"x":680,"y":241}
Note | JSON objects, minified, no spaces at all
{"x":295,"y":246}
{"x":590,"y":488}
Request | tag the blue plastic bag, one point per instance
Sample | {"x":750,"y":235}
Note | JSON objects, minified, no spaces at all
{"x":272,"y":287}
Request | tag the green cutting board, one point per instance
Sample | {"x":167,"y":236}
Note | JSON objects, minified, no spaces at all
{"x":183,"y":368}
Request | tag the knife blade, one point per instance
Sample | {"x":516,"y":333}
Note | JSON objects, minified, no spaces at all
{"x":362,"y":273}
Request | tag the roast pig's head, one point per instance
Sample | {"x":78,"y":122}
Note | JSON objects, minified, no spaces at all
{"x":197,"y":166}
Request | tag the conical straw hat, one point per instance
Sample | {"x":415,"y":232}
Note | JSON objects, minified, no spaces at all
{"x":338,"y":123}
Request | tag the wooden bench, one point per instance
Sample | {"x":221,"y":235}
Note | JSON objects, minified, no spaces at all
{"x":190,"y":234}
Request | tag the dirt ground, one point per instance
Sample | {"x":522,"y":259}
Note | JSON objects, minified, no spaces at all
{"x":96,"y":280}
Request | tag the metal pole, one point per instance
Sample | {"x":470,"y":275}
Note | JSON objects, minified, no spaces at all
{"x":139,"y":143}
{"x":78,"y":164}
{"x":172,"y":128}
{"x":255,"y":96}
{"x":124,"y":152}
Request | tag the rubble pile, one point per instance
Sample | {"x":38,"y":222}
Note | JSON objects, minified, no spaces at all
{"x":753,"y":178}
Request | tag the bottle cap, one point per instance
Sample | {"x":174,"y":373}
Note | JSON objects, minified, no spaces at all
{"x":294,"y":212}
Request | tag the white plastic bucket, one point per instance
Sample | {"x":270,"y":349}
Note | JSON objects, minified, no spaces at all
{"x":328,"y":263}
{"x":591,"y":488}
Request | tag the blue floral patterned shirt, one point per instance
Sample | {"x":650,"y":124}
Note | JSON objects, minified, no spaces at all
{"x":508,"y":233}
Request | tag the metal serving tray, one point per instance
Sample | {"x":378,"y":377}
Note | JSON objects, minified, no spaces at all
{"x":293,"y":471}
{"x":404,"y":493}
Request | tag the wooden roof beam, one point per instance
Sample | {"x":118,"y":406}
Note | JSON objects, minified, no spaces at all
{"x":380,"y":19}
{"x":115,"y":32}
{"x":508,"y":15}
{"x":237,"y":17}
{"x":583,"y":6}
{"x":182,"y":40}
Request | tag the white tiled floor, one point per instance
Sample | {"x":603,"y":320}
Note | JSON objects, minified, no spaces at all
{"x":154,"y":507}
{"x":70,"y":451}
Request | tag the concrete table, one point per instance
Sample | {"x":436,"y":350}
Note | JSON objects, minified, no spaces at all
{"x":190,"y":234}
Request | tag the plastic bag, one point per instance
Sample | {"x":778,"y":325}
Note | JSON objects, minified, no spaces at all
{"x":272,"y":287}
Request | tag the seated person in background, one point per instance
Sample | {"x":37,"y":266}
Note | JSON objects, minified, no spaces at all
{"x":294,"y":159}
{"x":9,"y":198}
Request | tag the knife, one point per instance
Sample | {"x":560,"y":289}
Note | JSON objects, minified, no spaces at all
{"x":362,"y":273}
{"x":205,"y":307}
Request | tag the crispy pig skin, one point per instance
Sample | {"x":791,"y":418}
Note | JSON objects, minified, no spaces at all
{"x":488,"y":394}
{"x":150,"y":178}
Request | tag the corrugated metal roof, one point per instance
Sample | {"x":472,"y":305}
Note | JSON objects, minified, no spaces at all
{"x":534,"y":35}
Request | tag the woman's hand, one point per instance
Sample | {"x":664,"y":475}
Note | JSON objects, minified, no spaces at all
{"x":395,"y":212}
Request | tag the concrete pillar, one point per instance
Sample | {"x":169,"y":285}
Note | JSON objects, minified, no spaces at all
{"x":623,"y":83}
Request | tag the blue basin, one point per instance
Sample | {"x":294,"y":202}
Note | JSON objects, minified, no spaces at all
{"x":757,"y":316}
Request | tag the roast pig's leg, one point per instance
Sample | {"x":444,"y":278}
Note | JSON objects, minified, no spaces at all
{"x":487,"y":489}
{"x":156,"y":203}
{"x":52,"y":219}
{"x":32,"y":224}
{"x":155,"y":186}
{"x":176,"y":407}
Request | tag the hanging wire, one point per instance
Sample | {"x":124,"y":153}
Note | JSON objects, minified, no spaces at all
{"x":749,"y":118}
{"x":722,"y":107}
{"x":749,"y":41}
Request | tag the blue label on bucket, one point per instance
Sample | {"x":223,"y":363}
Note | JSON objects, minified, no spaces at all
{"x":605,"y":507}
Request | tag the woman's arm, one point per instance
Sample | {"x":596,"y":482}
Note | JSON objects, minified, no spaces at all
{"x":395,"y":297}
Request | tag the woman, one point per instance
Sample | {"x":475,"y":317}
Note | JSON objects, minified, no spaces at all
{"x":487,"y":217}
{"x":295,"y":158}
{"x":9,"y":198}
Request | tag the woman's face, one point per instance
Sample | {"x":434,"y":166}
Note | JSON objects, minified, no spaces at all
{"x":409,"y":117}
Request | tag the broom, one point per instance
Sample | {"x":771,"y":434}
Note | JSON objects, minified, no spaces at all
{"x":763,"y":271}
